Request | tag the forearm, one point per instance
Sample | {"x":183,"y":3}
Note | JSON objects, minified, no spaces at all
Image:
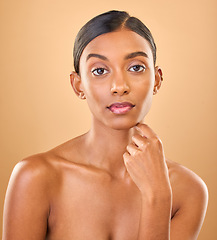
{"x":155,"y":219}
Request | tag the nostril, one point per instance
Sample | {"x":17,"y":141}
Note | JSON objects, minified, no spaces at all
{"x":120,"y":89}
{"x":120,"y":92}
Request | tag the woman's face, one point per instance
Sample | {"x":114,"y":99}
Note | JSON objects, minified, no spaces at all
{"x":117,"y":76}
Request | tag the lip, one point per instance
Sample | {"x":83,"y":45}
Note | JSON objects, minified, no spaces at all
{"x":121,"y":107}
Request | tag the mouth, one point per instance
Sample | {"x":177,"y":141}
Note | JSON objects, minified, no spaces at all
{"x":121,"y":107}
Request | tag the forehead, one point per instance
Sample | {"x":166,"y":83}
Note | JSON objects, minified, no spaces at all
{"x":118,"y":43}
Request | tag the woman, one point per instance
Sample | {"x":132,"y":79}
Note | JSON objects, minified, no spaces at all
{"x":114,"y":181}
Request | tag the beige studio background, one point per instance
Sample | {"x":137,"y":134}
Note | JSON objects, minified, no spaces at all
{"x":39,"y":109}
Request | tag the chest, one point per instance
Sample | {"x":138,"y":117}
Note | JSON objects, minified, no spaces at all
{"x":95,"y":209}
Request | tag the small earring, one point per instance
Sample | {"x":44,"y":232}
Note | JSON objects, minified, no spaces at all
{"x":82,"y":96}
{"x":154,"y":91}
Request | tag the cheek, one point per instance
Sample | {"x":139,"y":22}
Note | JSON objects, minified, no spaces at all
{"x":144,"y":90}
{"x":96,"y":97}
{"x":95,"y":92}
{"x":93,"y":89}
{"x":145,"y":98}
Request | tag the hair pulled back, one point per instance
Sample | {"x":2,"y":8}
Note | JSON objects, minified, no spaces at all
{"x":105,"y":23}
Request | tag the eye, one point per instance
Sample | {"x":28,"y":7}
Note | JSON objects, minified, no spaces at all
{"x":137,"y":68}
{"x":99,"y":71}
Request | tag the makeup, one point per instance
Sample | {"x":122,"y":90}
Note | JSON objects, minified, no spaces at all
{"x":121,"y":107}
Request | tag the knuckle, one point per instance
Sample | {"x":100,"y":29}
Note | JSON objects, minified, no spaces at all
{"x":126,"y":157}
{"x":155,"y":139}
{"x":130,"y":146}
{"x":142,"y":126}
{"x":136,"y":137}
{"x":144,"y":145}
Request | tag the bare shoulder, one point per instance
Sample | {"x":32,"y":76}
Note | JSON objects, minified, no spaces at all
{"x":34,"y":176}
{"x":185,"y":181}
{"x":36,"y":168}
{"x":28,"y":196}
{"x":46,"y":167}
{"x":190,"y":200}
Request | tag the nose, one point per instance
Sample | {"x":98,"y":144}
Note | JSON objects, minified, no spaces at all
{"x":120,"y":85}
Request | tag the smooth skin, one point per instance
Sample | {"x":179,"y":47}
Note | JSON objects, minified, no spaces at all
{"x":114,"y":182}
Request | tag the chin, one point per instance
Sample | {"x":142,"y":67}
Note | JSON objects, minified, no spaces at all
{"x":122,"y":124}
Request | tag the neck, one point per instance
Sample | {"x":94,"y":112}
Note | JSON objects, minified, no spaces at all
{"x":106,"y":146}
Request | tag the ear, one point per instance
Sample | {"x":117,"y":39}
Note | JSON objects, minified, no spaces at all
{"x":76,"y":83}
{"x":158,"y":79}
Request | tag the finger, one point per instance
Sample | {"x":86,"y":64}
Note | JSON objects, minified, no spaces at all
{"x":145,"y":130}
{"x":132,"y":149}
{"x":127,"y":158}
{"x":139,"y":140}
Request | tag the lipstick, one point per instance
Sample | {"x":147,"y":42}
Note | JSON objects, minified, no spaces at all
{"x":121,"y":107}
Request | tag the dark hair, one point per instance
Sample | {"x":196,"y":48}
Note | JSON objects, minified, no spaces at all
{"x":105,"y":23}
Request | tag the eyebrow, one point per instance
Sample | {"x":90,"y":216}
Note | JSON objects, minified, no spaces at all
{"x":135,"y":54}
{"x":129,"y":56}
{"x":96,"y":56}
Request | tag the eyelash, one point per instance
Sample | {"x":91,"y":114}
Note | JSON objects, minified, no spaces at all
{"x":96,"y":73}
{"x":97,"y":69}
{"x":140,"y":66}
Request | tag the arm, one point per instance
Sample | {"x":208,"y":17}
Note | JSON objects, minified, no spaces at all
{"x":145,"y":162}
{"x":187,"y":221}
{"x":193,"y":195}
{"x":155,"y":219}
{"x":26,"y":207}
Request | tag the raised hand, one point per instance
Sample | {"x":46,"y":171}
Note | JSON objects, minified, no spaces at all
{"x":146,"y":165}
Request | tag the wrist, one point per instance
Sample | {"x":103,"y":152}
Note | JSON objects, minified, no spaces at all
{"x":160,"y":197}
